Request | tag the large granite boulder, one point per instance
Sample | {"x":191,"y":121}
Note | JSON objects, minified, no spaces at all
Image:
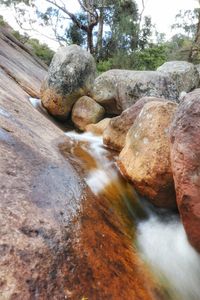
{"x":145,"y":159}
{"x":71,"y":75}
{"x":185,"y":160}
{"x":183,"y":73}
{"x":86,"y":111}
{"x":114,"y":135}
{"x":117,"y":90}
{"x":57,"y":239}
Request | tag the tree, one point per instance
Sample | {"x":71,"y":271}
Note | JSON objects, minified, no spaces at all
{"x":112,"y":30}
{"x":119,"y":15}
{"x":189,"y":22}
{"x":57,"y":14}
{"x":194,"y":55}
{"x":186,"y":21}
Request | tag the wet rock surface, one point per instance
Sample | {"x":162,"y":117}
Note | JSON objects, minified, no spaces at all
{"x":185,"y":158}
{"x":114,"y":135}
{"x":117,"y":90}
{"x":86,"y":111}
{"x":145,"y":159}
{"x":183,"y":73}
{"x":70,"y":76}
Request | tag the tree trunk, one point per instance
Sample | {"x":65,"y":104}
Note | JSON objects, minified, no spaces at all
{"x":100,"y":33}
{"x":90,"y":44}
{"x":194,"y":55}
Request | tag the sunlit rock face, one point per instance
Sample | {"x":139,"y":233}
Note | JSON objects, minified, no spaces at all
{"x":86,"y":111}
{"x":184,"y":74}
{"x":99,"y":127}
{"x":145,"y":159}
{"x":117,"y":90}
{"x":71,"y":75}
{"x":185,"y":157}
{"x":114,"y":135}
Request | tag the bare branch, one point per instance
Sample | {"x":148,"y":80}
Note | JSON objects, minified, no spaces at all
{"x":71,"y":15}
{"x":88,"y":10}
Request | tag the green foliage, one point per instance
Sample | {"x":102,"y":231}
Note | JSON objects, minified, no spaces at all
{"x":186,"y":21}
{"x":41,"y":50}
{"x":124,"y":25}
{"x":2,"y":22}
{"x":150,"y":58}
{"x":125,"y":41}
{"x":103,"y":66}
{"x":147,"y":59}
{"x":178,"y":47}
{"x":74,"y":34}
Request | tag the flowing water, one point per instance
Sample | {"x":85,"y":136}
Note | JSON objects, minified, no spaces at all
{"x":160,"y":236}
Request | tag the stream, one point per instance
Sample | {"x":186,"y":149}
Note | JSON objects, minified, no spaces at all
{"x":159,"y":234}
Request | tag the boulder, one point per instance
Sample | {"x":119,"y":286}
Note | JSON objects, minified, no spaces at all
{"x":185,"y":160}
{"x":114,"y":135}
{"x":145,"y":159}
{"x":183,"y":73}
{"x":71,"y":75}
{"x":86,"y":111}
{"x":117,"y":90}
{"x":99,"y":127}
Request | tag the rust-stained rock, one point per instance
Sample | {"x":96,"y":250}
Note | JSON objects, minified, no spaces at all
{"x":99,"y":127}
{"x":114,"y":135}
{"x":185,"y":159}
{"x":86,"y":111}
{"x":70,"y":76}
{"x":57,"y":239}
{"x":145,"y":159}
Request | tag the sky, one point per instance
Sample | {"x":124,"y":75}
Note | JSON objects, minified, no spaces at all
{"x":162,"y":12}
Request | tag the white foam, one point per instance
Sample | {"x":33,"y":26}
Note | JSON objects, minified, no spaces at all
{"x":165,"y":246}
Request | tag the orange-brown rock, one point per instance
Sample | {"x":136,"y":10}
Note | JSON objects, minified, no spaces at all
{"x":86,"y":111}
{"x":114,"y":135}
{"x":57,"y":240}
{"x":185,"y":159}
{"x":99,"y":127}
{"x":145,"y":159}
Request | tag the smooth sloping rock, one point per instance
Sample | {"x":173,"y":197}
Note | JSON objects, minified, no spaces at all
{"x":86,"y":111}
{"x":185,"y":160}
{"x":114,"y":135}
{"x":18,"y":62}
{"x":117,"y":90}
{"x":71,"y":75}
{"x":57,"y":240}
{"x":183,"y":73}
{"x":99,"y":127}
{"x":145,"y":159}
